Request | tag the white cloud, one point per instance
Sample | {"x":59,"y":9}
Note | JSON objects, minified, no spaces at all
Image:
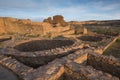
{"x":101,"y":5}
{"x":71,"y":11}
{"x":17,"y":4}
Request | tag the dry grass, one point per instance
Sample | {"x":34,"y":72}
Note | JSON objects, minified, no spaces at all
{"x":113,"y":50}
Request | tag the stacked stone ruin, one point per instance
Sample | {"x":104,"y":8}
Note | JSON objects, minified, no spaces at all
{"x":67,"y":62}
{"x":69,"y":59}
{"x":57,"y":20}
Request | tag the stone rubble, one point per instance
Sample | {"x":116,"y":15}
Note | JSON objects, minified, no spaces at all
{"x":79,"y":63}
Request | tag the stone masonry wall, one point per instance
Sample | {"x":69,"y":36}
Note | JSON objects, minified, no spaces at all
{"x":104,"y":63}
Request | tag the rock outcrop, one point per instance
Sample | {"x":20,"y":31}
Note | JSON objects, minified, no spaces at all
{"x":58,"y":20}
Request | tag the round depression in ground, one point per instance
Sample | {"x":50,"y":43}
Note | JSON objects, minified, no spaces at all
{"x":90,"y":38}
{"x":40,"y":45}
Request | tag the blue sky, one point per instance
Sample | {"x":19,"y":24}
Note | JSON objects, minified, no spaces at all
{"x":72,"y":10}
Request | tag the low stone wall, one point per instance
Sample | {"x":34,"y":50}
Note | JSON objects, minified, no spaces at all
{"x":61,"y":29}
{"x":104,"y":63}
{"x":107,"y":46}
{"x":5,"y":39}
{"x":37,"y":61}
{"x":68,"y":67}
{"x":14,"y":65}
{"x":75,"y":71}
{"x":51,"y":71}
{"x":40,"y":58}
{"x":71,"y":65}
{"x":68,"y":32}
{"x":55,"y":69}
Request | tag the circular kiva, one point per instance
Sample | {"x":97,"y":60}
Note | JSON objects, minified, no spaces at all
{"x":28,"y":50}
{"x":90,"y":38}
{"x":40,"y":45}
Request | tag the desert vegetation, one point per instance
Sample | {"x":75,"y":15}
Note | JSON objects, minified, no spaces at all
{"x":114,"y":49}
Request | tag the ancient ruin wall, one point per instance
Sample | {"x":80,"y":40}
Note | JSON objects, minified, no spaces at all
{"x":104,"y":63}
{"x":107,"y":46}
{"x":58,"y":20}
{"x":27,"y":27}
{"x":23,"y":26}
{"x":102,"y":48}
{"x":53,"y":70}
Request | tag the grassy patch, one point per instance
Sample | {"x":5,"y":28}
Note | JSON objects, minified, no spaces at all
{"x":11,"y":33}
{"x":1,"y":45}
{"x":114,"y":49}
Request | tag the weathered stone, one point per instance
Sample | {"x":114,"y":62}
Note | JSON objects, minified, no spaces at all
{"x":58,"y":20}
{"x":49,"y":20}
{"x":104,"y":63}
{"x":76,"y":63}
{"x":75,"y":71}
